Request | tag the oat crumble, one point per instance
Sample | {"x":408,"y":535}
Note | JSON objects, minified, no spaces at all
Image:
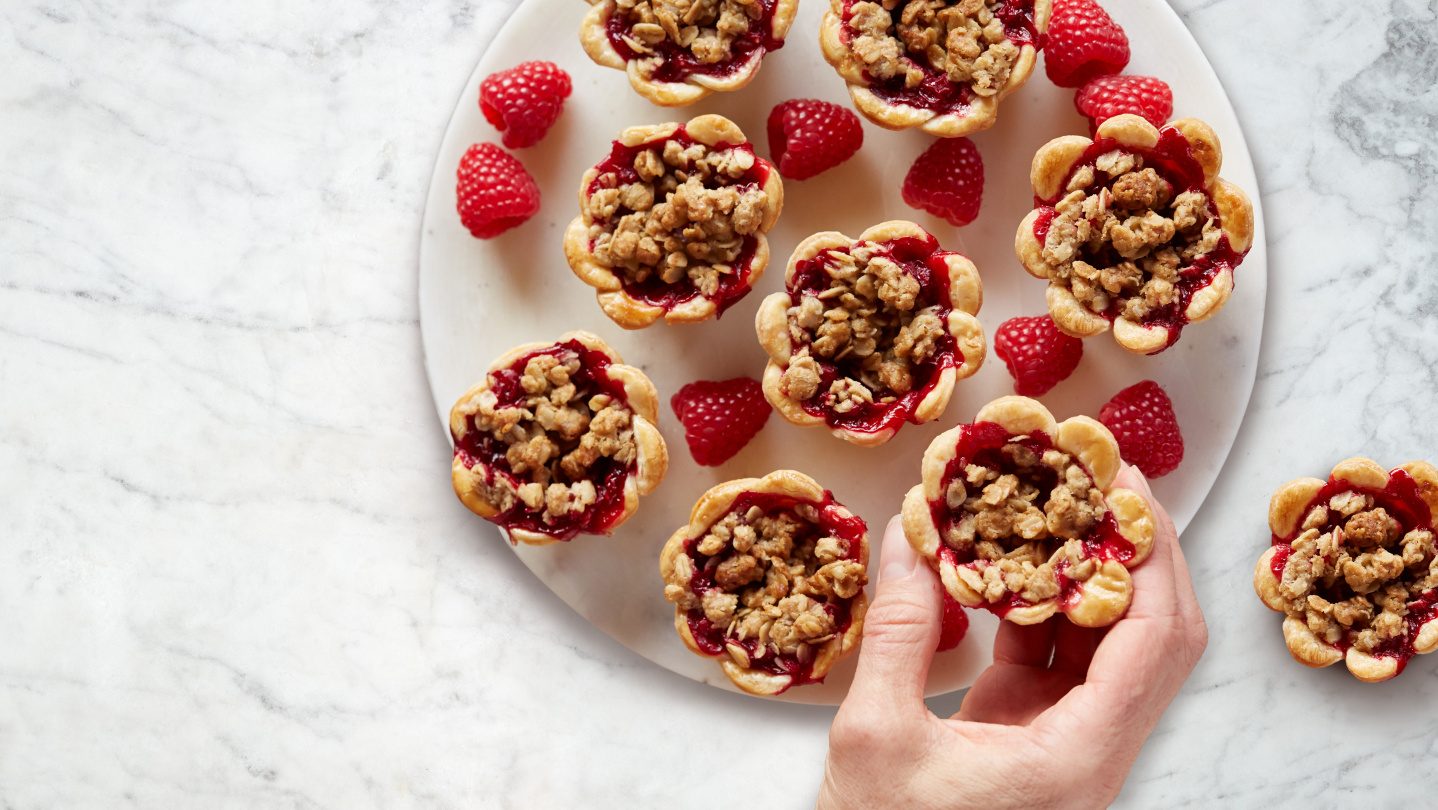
{"x":706,"y":28}
{"x":778,"y":570}
{"x":962,"y":40}
{"x":685,"y":216}
{"x":1353,"y":572}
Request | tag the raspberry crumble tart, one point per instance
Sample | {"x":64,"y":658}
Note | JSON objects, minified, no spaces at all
{"x":1135,"y":230}
{"x":768,"y":576}
{"x":1353,"y":567}
{"x":676,"y":52}
{"x":672,"y":224}
{"x":871,"y":332}
{"x":558,"y":440}
{"x":1019,"y":515}
{"x":940,"y":65}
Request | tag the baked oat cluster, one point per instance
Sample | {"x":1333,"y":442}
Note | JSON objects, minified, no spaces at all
{"x":706,"y":28}
{"x":858,"y":336}
{"x":942,"y":65}
{"x":673,"y":223}
{"x":1354,"y":567}
{"x":538,"y":441}
{"x":1019,"y":514}
{"x":1135,"y":231}
{"x":769,"y":577}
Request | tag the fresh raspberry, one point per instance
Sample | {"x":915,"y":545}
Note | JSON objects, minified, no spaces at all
{"x":719,"y":418}
{"x":1141,"y":418}
{"x":524,"y":101}
{"x":494,"y":192}
{"x":1038,"y":355}
{"x":955,"y":626}
{"x":947,"y":181}
{"x":808,"y":136}
{"x":1107,"y":96}
{"x":1083,"y":42}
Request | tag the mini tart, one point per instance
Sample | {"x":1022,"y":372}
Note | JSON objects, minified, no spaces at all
{"x":1135,"y":230}
{"x":679,"y":51}
{"x":1019,"y":515}
{"x":940,"y":65}
{"x":558,"y":440}
{"x":768,"y":577}
{"x":871,"y":332}
{"x":1353,"y":567}
{"x":672,"y":224}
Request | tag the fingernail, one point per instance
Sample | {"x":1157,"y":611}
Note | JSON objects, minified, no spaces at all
{"x":897,"y":558}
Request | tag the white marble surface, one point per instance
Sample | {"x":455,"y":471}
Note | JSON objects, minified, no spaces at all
{"x":228,"y":577}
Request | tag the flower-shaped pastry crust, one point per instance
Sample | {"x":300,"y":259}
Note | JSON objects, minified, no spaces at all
{"x":1135,"y":229}
{"x":871,"y":332}
{"x":1353,"y":567}
{"x":768,"y":576}
{"x":672,"y":224}
{"x":1019,"y":515}
{"x":679,"y":51}
{"x":940,"y":65}
{"x":559,"y":439}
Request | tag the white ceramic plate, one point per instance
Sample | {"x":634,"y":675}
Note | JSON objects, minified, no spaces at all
{"x":478,"y":298}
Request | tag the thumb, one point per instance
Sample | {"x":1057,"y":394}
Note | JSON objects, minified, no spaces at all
{"x":901,"y":628}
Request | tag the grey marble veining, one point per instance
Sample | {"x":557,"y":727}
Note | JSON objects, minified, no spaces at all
{"x":213,"y":421}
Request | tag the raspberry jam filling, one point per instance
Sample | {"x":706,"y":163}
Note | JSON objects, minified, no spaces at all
{"x":1124,"y":286}
{"x":1360,"y":570}
{"x":916,"y":57}
{"x":773,"y":579}
{"x":869,"y":329}
{"x":1028,"y":514}
{"x":676,"y":219}
{"x":575,"y":483}
{"x":718,"y":36}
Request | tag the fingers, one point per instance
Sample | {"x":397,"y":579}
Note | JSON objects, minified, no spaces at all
{"x":1155,"y":591}
{"x":901,"y":630}
{"x":1074,"y":648}
{"x":1025,"y":645}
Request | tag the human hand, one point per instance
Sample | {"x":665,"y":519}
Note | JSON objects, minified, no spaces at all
{"x":1056,"y":721}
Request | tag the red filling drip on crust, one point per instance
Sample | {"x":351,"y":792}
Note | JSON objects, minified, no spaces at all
{"x":936,"y":93}
{"x":677,"y":63}
{"x":926,"y":263}
{"x":980,"y":443}
{"x":608,"y":476}
{"x":1174,"y":161}
{"x":711,"y":639}
{"x":654,"y":290}
{"x":1403,"y":500}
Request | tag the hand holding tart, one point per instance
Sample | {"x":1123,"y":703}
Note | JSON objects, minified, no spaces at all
{"x":1135,"y":230}
{"x":768,"y":576}
{"x":1353,"y":567}
{"x":1019,"y":515}
{"x":559,"y":439}
{"x":871,"y":332}
{"x":672,"y":224}
{"x":676,"y":52}
{"x":940,"y":65}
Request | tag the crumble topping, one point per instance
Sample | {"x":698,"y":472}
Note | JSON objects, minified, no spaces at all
{"x":685,"y":216}
{"x":1353,"y":572}
{"x":706,"y":28}
{"x":777,"y":572}
{"x":1121,"y":235}
{"x":552,"y":437}
{"x":867,"y":317}
{"x":1023,"y":521}
{"x":962,"y":40}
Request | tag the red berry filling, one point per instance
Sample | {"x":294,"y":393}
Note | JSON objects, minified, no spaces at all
{"x":709,"y":37}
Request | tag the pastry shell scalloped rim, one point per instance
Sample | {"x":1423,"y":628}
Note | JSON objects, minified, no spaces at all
{"x":982,"y":112}
{"x":594,"y":37}
{"x":966,"y":297}
{"x":625,"y":310}
{"x":651,"y":460}
{"x":712,"y":506}
{"x":1051,"y":167}
{"x":1285,"y":511}
{"x":1103,"y":598}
